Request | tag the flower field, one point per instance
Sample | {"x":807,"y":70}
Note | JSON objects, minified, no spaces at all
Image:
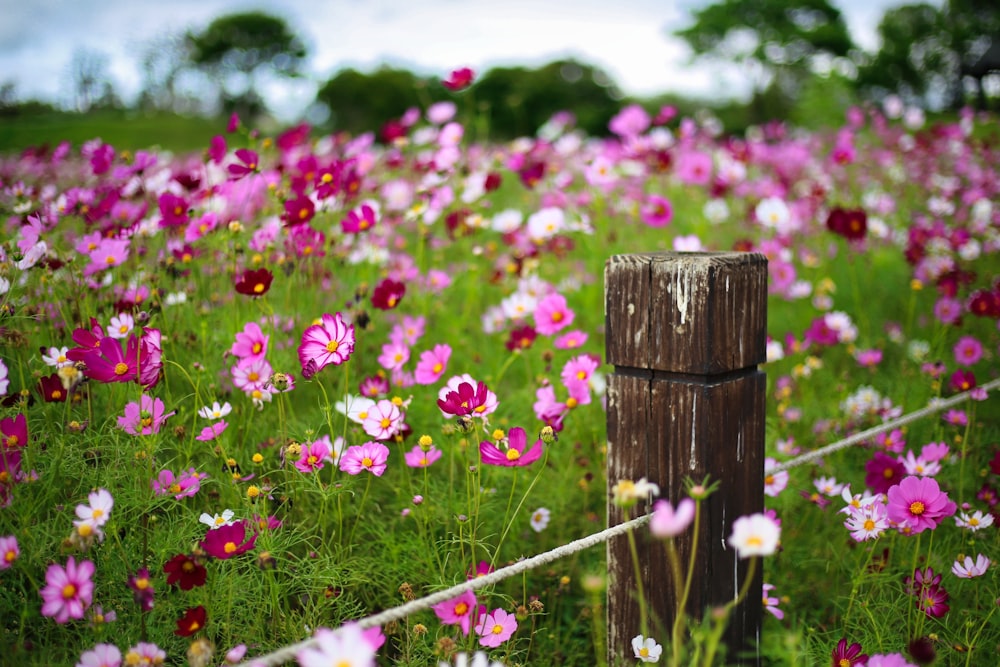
{"x":255,"y":393}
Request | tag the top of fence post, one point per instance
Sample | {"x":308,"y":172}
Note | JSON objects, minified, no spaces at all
{"x":687,"y":333}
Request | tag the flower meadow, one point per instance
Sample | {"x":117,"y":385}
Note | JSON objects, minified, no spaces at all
{"x":253,"y":395}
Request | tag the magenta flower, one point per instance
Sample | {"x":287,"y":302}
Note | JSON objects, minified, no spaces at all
{"x":330,"y":342}
{"x":145,"y":417}
{"x":883,"y":472}
{"x":667,"y":522}
{"x":248,"y":163}
{"x":933,"y":601}
{"x":371,"y":456}
{"x":457,"y":611}
{"x":968,"y":351}
{"x":313,"y":456}
{"x":848,"y":656}
{"x":13,"y":432}
{"x":68,"y":590}
{"x":183,"y":486}
{"x":142,"y":589}
{"x":432,"y":364}
{"x":108,"y":363}
{"x":514,"y":454}
{"x":919,"y":503}
{"x":570,"y":340}
{"x":656,"y":211}
{"x":228,"y":541}
{"x":418,"y":458}
{"x":552,"y":314}
{"x":459,"y":79}
{"x":956,"y":417}
{"x":358,"y":220}
{"x":495,"y":628}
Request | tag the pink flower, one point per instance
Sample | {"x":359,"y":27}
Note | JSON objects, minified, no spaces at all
{"x":630,"y":122}
{"x":145,"y":417}
{"x":184,"y":486}
{"x":313,"y":456}
{"x":330,"y":342}
{"x":570,"y":340}
{"x":384,"y":420}
{"x":102,"y":655}
{"x":495,"y":628}
{"x":9,"y":551}
{"x":348,"y":645}
{"x":552,"y":314}
{"x":371,"y":456}
{"x":515,"y":454}
{"x":967,"y":569}
{"x":666,"y":522}
{"x":250,"y":343}
{"x":394,"y":356}
{"x":228,"y":540}
{"x":68,"y":590}
{"x":771,"y":603}
{"x":432,"y":364}
{"x":212,"y":432}
{"x":457,"y":611}
{"x":919,"y":503}
{"x":418,"y":458}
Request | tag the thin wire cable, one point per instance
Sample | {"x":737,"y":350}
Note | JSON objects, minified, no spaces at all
{"x":936,"y":406}
{"x":396,"y":613}
{"x":289,"y":652}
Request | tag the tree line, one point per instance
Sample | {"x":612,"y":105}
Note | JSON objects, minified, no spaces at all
{"x":798,"y":55}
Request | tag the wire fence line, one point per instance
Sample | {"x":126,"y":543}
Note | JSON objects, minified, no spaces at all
{"x":290,"y":652}
{"x":935,"y":406}
{"x":397,"y":613}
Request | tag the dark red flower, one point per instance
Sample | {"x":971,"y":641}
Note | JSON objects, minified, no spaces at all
{"x":852,"y":224}
{"x":185,"y":571}
{"x":531,"y":174}
{"x":846,"y":656}
{"x":493,"y":181}
{"x":191,"y":622}
{"x":388,"y":294}
{"x":459,"y":79}
{"x":922,"y":650}
{"x":521,"y":338}
{"x":984,"y":303}
{"x":52,"y":389}
{"x":254,"y":282}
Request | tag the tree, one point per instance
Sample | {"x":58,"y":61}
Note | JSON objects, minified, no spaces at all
{"x":236,"y":48}
{"x":778,"y":41}
{"x":914,"y":59}
{"x":360,"y":102}
{"x":91,"y":82}
{"x":973,"y":27}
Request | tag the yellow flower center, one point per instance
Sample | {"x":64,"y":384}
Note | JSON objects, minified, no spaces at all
{"x":754,"y":541}
{"x":175,"y":488}
{"x":121,"y":368}
{"x":367,"y":462}
{"x":230,"y":547}
{"x":13,"y":441}
{"x":917,"y":507}
{"x":869,"y":524}
{"x":571,"y":402}
{"x":332,"y":346}
{"x":84,"y":529}
{"x":311,"y":460}
{"x":9,"y":556}
{"x":497,"y":629}
{"x":461,"y":608}
{"x":258,"y":288}
{"x":557,"y":316}
{"x":973,"y":521}
{"x":644,"y":652}
{"x":142,"y":584}
{"x":385,"y":423}
{"x":253,"y":376}
{"x":887,"y":473}
{"x":437,"y":367}
{"x":257,"y":348}
{"x":513,"y":454}
{"x":69,"y":591}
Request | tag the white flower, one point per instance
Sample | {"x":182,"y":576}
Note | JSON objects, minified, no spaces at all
{"x":646,"y":649}
{"x":540,"y":519}
{"x":975,"y":521}
{"x":755,"y":535}
{"x":121,"y":326}
{"x":626,"y":492}
{"x":345,"y":647}
{"x":716,"y":211}
{"x":772,"y":213}
{"x":479,"y":659}
{"x":216,"y":411}
{"x":219,"y":520}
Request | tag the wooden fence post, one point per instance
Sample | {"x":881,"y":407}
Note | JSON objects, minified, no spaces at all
{"x":685,"y":332}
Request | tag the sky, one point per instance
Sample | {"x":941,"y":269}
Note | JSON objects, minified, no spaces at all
{"x":630,"y":40}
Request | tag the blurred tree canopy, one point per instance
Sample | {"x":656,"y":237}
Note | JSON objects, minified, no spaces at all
{"x":515,"y":101}
{"x":235,"y":48}
{"x":779,"y":41}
